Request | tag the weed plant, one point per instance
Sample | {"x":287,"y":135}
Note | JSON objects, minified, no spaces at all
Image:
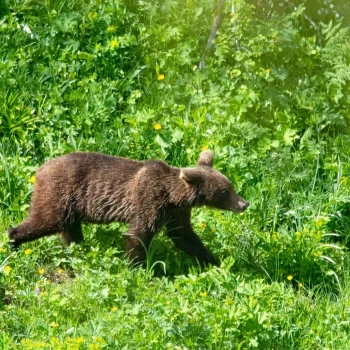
{"x":122,"y":77}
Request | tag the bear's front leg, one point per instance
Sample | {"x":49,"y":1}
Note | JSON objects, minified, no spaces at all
{"x":179,"y":229}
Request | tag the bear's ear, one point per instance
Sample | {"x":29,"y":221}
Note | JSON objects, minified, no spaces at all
{"x":191,"y":175}
{"x":206,"y":159}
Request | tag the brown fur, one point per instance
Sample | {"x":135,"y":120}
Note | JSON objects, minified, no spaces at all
{"x":97,"y":188}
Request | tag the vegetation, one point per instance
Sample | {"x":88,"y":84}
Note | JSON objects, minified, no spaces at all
{"x":122,"y":77}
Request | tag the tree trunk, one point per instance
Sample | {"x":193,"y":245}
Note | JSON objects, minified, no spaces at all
{"x":216,"y":26}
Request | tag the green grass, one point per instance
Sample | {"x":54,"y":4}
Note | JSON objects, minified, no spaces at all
{"x":83,"y":297}
{"x":121,"y":77}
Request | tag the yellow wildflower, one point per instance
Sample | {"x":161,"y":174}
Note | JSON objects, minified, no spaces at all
{"x":344,"y":180}
{"x":41,"y":271}
{"x":300,"y":285}
{"x":113,"y":43}
{"x":204,"y":294}
{"x":27,"y":251}
{"x":157,"y":126}
{"x":160,"y":77}
{"x":54,"y":324}
{"x":99,"y":340}
{"x":111,"y":29}
{"x":320,"y":222}
{"x":7,"y":269}
{"x":275,"y":236}
{"x":204,"y":148}
{"x":34,"y":344}
{"x":92,"y":16}
{"x":94,"y":346}
{"x":114,"y":308}
{"x":228,"y":301}
{"x":290,"y":277}
{"x":59,"y":271}
{"x":32,"y":179}
{"x":55,"y":342}
{"x":268,"y":70}
{"x":317,"y":254}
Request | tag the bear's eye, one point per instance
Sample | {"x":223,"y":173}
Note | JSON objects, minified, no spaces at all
{"x":224,"y":191}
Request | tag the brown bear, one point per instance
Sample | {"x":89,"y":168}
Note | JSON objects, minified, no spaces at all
{"x":97,"y":188}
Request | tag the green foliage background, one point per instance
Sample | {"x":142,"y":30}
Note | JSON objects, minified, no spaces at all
{"x":122,"y":77}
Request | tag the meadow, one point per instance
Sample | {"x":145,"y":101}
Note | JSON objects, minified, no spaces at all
{"x":122,"y":77}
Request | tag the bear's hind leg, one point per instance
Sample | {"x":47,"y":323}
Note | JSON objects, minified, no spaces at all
{"x":72,"y":233}
{"x":137,"y":243}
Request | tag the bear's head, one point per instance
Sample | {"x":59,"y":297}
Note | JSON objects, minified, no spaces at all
{"x":213,"y":189}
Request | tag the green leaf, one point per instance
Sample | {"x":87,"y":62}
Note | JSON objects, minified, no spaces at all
{"x":177,"y":135}
{"x":253,"y":342}
{"x":105,"y":292}
{"x":199,"y":11}
{"x":158,"y":139}
{"x":275,"y":144}
{"x":265,"y":143}
{"x":289,"y":136}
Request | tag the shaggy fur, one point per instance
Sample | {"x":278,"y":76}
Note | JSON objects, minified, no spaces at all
{"x":97,"y":188}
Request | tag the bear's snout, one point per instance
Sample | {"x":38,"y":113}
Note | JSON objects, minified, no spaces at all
{"x":244,"y":205}
{"x":241,"y":205}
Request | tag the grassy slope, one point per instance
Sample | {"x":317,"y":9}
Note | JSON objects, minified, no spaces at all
{"x":89,"y":77}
